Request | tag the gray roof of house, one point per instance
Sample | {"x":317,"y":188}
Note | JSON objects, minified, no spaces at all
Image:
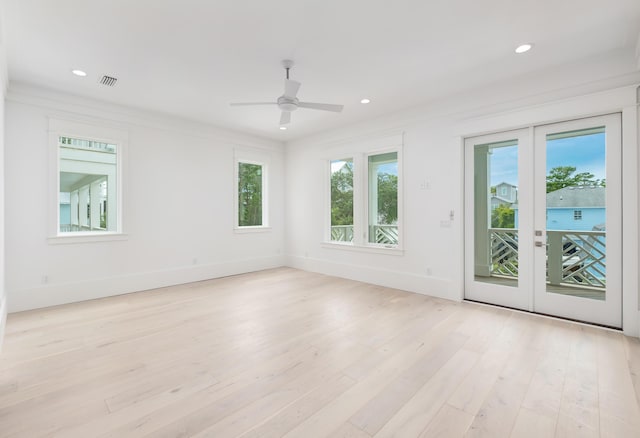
{"x":579,"y":196}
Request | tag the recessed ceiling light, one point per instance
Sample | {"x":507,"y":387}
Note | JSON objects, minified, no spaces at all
{"x":523,"y":48}
{"x":283,"y":128}
{"x":365,"y":101}
{"x":79,"y":73}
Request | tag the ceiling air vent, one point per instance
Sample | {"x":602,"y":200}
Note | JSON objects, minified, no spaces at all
{"x":109,"y":81}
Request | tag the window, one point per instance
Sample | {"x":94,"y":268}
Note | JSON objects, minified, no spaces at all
{"x":251,"y":200}
{"x":342,"y":200}
{"x":85,"y":194}
{"x":383,"y":198}
{"x":364,"y":197}
{"x":503,"y":191}
{"x":88,"y":185}
{"x":577,"y":215}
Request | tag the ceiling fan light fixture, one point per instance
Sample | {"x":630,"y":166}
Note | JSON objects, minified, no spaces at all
{"x":522,"y":48}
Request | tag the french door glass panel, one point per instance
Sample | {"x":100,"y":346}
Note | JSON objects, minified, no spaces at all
{"x":493,"y":247}
{"x":578,"y":207}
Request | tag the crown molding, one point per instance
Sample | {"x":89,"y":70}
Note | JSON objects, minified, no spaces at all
{"x":64,"y":105}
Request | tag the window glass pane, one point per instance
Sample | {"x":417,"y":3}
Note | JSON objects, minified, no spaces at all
{"x":249,"y":195}
{"x":342,"y":200}
{"x":87,"y":197}
{"x":383,"y":198}
{"x":496,"y":213}
{"x":577,"y":213}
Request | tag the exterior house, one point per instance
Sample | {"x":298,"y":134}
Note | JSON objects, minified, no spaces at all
{"x":580,"y":208}
{"x":576,"y":208}
{"x":506,"y":194}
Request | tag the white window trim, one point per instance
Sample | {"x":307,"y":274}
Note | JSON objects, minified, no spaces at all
{"x":261,"y":159}
{"x":359,"y":154}
{"x":86,"y":131}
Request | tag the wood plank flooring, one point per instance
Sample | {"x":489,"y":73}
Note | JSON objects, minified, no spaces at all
{"x":287,"y":353}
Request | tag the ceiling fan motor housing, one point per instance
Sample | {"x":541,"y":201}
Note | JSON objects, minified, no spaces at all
{"x":287,"y":103}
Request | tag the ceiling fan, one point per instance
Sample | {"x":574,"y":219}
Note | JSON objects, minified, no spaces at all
{"x":288,"y":102}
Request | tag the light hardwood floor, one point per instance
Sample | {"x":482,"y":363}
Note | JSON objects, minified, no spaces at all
{"x":290,"y":353}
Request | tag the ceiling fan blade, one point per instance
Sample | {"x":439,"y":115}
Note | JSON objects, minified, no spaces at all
{"x":253,"y":103}
{"x":291,"y":88}
{"x":321,"y":106}
{"x":285,"y":117}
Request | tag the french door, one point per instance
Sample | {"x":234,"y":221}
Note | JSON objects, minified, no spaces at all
{"x":543,"y":221}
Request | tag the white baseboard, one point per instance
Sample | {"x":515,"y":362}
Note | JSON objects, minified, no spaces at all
{"x":422,"y":284}
{"x":55,"y":294}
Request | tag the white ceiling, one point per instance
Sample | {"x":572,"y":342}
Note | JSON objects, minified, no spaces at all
{"x":191,"y":58}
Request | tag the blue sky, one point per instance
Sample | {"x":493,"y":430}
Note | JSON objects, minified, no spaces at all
{"x":586,"y":153}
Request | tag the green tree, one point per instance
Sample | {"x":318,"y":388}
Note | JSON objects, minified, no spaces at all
{"x":503,"y":216}
{"x":387,"y":198}
{"x":563,"y":176}
{"x":249,"y":194}
{"x":342,"y":195}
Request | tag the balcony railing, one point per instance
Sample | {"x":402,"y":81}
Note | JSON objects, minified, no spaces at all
{"x":573,"y":257}
{"x":342,"y":233}
{"x":382,"y":234}
{"x":504,"y":251}
{"x":69,"y":228}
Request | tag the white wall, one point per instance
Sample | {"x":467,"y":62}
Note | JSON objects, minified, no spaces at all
{"x":432,"y":261}
{"x":3,"y":88}
{"x":3,"y":295}
{"x":178,"y":187}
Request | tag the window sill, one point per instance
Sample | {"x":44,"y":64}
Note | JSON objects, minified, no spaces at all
{"x":372,"y":249}
{"x":64,"y":239}
{"x":245,"y":230}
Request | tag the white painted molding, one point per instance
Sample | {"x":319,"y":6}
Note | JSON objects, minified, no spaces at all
{"x":64,"y":293}
{"x":631,"y":209}
{"x":551,"y":85}
{"x":421,"y":284}
{"x":70,"y":107}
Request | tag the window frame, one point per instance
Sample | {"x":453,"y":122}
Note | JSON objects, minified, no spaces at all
{"x":256,"y":158}
{"x":360,"y":153}
{"x":90,"y":131}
